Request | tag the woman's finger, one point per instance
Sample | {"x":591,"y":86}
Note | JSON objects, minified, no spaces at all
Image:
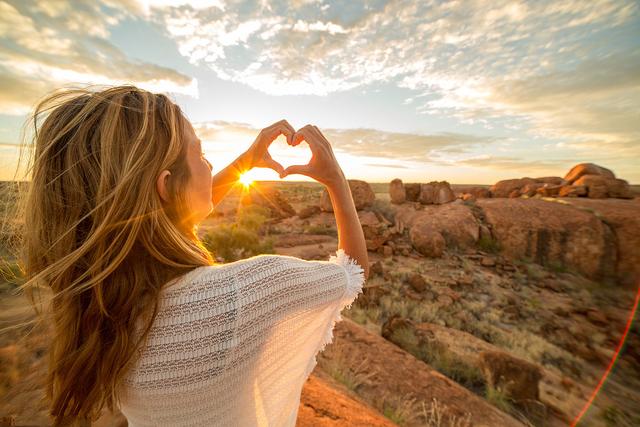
{"x":297,"y":169}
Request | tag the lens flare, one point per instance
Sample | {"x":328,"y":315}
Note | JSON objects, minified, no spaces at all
{"x":245,"y":180}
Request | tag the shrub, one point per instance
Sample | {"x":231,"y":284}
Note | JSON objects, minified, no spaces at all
{"x":241,"y":239}
{"x":487,"y":244}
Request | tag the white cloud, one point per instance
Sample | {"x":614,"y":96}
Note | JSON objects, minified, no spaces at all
{"x":47,"y":45}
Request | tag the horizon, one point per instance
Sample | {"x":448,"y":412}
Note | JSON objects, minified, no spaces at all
{"x":421,"y":92}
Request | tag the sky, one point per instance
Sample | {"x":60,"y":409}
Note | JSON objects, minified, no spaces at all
{"x":464,"y":91}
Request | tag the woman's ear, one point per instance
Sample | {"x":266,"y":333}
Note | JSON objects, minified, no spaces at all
{"x":161,"y":185}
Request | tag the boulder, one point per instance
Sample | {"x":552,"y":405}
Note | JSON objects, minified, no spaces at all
{"x":436,"y":193}
{"x":596,"y":185}
{"x":454,"y":221}
{"x":572,"y":191}
{"x":623,"y":218}
{"x":619,"y":189}
{"x":479,"y":192}
{"x":363,"y":195}
{"x":397,"y":192}
{"x":518,"y":378}
{"x":426,"y":239}
{"x":506,"y":188}
{"x":376,"y":232}
{"x":548,"y":190}
{"x":551,"y":180}
{"x":550,"y":233}
{"x":417,"y":282}
{"x":308,"y":211}
{"x":530,"y":190}
{"x":412,"y":192}
{"x":587,"y":169}
{"x":393,"y":324}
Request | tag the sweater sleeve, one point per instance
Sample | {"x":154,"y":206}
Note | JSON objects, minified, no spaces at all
{"x":296,"y":284}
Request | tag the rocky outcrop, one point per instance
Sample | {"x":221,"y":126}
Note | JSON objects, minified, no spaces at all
{"x":436,"y":193}
{"x":324,"y":403}
{"x":363,"y":195}
{"x":394,"y":372}
{"x":623,"y":218}
{"x":587,"y":169}
{"x":375,"y":228}
{"x":505,"y":188}
{"x":550,"y":233}
{"x":397,"y":192}
{"x":583,"y":180}
{"x":454,"y":221}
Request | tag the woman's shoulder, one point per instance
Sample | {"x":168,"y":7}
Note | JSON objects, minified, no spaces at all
{"x":239,"y":268}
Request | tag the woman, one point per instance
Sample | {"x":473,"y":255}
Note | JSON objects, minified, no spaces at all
{"x":143,"y":319}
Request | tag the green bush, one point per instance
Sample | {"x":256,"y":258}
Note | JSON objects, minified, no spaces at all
{"x":241,"y":239}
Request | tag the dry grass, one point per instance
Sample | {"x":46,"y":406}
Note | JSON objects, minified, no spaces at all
{"x":350,"y":369}
{"x":437,"y":415}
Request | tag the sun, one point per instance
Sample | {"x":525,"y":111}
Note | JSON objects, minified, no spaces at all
{"x":245,"y":180}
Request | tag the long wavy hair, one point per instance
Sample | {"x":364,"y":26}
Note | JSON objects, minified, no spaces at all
{"x":97,"y":236}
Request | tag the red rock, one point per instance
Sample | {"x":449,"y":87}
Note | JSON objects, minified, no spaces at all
{"x":479,"y":192}
{"x":397,"y":192}
{"x":518,"y":378}
{"x":587,"y":169}
{"x":549,"y":232}
{"x":361,"y":192}
{"x":572,"y":191}
{"x":412,"y":191}
{"x":623,"y":217}
{"x":426,"y":239}
{"x":619,"y":189}
{"x":551,"y":180}
{"x":506,"y":187}
{"x":417,"y":282}
{"x":530,"y":189}
{"x":436,"y":193}
{"x":308,"y":211}
{"x":549,"y":190}
{"x":323,"y":403}
{"x":488,"y":262}
{"x":398,"y":373}
{"x":596,"y":186}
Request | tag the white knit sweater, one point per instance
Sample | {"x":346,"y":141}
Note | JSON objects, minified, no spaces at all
{"x":233,"y":344}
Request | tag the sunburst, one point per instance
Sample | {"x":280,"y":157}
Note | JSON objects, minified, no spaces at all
{"x":245,"y":180}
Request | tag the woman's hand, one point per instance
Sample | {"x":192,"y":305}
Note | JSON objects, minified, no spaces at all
{"x":257,"y":156}
{"x":323,"y":166}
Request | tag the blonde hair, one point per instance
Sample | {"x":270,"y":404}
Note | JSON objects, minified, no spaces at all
{"x":96,"y":234}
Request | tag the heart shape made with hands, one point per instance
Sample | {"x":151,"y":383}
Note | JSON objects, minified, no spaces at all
{"x":287,"y":155}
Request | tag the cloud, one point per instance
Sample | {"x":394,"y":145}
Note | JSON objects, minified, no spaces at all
{"x":45,"y":45}
{"x":557,"y":69}
{"x":361,"y":142}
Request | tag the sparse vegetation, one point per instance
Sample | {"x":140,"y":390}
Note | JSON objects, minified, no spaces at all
{"x":488,"y":244}
{"x":240,"y":239}
{"x":438,"y":415}
{"x":337,"y":362}
{"x":438,"y":357}
{"x":499,"y":399}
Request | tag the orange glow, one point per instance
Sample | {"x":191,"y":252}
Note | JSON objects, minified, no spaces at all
{"x":246,"y":180}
